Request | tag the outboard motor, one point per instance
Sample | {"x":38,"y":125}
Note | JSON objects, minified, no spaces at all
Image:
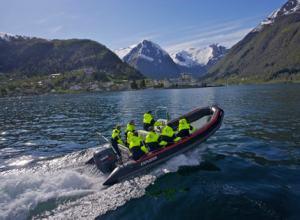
{"x":105,"y":160}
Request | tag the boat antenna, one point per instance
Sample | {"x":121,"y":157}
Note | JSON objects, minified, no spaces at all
{"x":100,"y":135}
{"x":168,"y":116}
{"x":106,"y":139}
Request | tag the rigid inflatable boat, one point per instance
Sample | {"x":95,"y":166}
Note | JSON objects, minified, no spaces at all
{"x":205,"y":121}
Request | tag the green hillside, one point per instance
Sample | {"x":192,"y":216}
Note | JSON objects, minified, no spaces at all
{"x":36,"y":57}
{"x":37,"y":66}
{"x":271,"y":54}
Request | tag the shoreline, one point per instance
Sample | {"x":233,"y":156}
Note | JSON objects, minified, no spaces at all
{"x":66,"y":92}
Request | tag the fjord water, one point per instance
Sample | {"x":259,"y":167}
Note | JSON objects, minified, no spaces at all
{"x":248,"y":170}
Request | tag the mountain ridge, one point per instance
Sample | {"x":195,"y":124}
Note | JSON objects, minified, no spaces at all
{"x":30,"y":56}
{"x":197,"y":61}
{"x":268,"y":53}
{"x":194,"y":61}
{"x":151,"y":60}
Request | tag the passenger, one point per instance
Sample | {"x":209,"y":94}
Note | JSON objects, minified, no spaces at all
{"x":148,"y":120}
{"x":184,"y":128}
{"x":129,"y":135}
{"x":129,"y":128}
{"x":151,"y":140}
{"x":158,"y":125}
{"x":136,"y":147}
{"x":167,"y":136}
{"x":116,"y":139}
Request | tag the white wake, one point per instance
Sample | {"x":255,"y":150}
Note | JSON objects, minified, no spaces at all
{"x":71,"y":190}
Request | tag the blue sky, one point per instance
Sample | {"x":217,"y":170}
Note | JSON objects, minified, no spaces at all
{"x":174,"y":24}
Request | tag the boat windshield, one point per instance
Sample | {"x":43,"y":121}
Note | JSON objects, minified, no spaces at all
{"x":162,"y":112}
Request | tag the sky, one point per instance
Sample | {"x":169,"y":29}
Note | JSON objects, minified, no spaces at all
{"x":173,"y":24}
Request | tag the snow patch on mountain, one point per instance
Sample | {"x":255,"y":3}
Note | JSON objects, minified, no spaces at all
{"x":151,"y":60}
{"x":9,"y":37}
{"x":193,"y":56}
{"x":154,"y":62}
{"x":122,"y":52}
{"x":142,"y":56}
{"x":143,"y":50}
{"x":6,"y":36}
{"x":290,"y":7}
{"x":158,"y":48}
{"x":198,"y":56}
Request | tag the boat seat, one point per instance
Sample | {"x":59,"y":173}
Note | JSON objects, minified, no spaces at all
{"x":142,"y":133}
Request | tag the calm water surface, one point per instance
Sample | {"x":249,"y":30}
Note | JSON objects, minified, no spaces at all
{"x":250,"y":169}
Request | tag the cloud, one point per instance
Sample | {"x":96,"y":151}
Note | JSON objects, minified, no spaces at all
{"x":135,"y":38}
{"x":226,"y":33}
{"x":226,"y":39}
{"x":56,"y":29}
{"x":53,"y":17}
{"x":193,"y":31}
{"x":177,"y":37}
{"x":41,"y":21}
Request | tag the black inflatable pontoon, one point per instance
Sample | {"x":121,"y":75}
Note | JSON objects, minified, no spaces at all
{"x":206,"y":121}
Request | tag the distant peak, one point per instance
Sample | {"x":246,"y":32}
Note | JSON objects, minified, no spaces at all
{"x":8,"y":36}
{"x":215,"y":45}
{"x":150,"y":44}
{"x":199,"y":56}
{"x":290,"y":7}
{"x":146,"y":41}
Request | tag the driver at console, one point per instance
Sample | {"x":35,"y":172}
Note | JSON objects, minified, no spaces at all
{"x":137,"y":147}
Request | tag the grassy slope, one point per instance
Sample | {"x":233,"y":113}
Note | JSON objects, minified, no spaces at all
{"x":32,"y":57}
{"x":270,"y":55}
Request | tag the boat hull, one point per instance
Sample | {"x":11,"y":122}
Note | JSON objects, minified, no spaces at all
{"x":134,"y":168}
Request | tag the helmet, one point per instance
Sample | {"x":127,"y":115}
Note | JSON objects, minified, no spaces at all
{"x":118,"y":126}
{"x":182,"y":120}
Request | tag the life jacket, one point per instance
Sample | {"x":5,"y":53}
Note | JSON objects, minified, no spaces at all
{"x":151,"y":137}
{"x":147,"y":118}
{"x":158,"y":123}
{"x":130,"y":127}
{"x":116,"y":135}
{"x":167,"y":131}
{"x":129,"y":136}
{"x":183,"y":125}
{"x":136,"y":142}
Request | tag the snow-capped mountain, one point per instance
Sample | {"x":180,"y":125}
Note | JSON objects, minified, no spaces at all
{"x":150,"y":59}
{"x":5,"y":36}
{"x":269,"y":52}
{"x":197,"y":60}
{"x":290,"y":7}
{"x":8,"y":37}
{"x":199,"y":56}
{"x":122,"y":52}
{"x":154,"y":62}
